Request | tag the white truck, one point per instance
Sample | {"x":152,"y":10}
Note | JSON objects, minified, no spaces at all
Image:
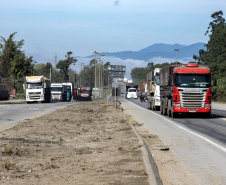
{"x":153,"y":90}
{"x":131,"y":93}
{"x":37,"y":89}
{"x":56,"y":91}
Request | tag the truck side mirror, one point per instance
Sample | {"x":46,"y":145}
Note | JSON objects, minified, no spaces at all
{"x":24,"y":86}
{"x":44,"y":85}
{"x":214,"y":82}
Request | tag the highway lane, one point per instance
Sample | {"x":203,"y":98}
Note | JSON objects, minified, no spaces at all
{"x":13,"y":113}
{"x":214,"y":127}
{"x":198,"y":143}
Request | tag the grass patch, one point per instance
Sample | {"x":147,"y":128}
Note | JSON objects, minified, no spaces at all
{"x":123,"y":121}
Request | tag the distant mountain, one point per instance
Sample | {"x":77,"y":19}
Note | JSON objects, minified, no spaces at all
{"x":160,"y":50}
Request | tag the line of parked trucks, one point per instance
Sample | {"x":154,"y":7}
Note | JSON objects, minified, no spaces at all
{"x":179,"y":89}
{"x":39,"y":89}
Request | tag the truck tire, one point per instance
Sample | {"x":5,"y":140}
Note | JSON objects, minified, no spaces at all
{"x":161,"y":108}
{"x":174,"y":114}
{"x":148,"y":105}
{"x":152,"y":106}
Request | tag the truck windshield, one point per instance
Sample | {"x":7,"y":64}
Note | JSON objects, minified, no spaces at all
{"x":56,"y":88}
{"x":85,"y":91}
{"x":132,"y":90}
{"x":157,"y":79}
{"x":192,"y":80}
{"x":34,"y":85}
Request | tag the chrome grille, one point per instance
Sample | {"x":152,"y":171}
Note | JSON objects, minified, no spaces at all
{"x":192,"y":100}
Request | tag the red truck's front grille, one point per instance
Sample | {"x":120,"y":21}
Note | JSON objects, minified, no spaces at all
{"x":192,"y":100}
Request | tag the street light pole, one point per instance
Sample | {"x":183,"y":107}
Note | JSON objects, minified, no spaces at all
{"x":95,"y":80}
{"x":176,"y":54}
{"x":101,"y":75}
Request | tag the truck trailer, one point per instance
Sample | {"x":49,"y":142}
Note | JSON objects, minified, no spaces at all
{"x":37,"y":89}
{"x":153,"y":90}
{"x":185,"y":89}
{"x":4,"y":92}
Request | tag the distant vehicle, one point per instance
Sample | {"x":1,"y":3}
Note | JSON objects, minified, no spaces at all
{"x":85,"y":93}
{"x":37,"y":89}
{"x":56,"y":91}
{"x":133,"y":86}
{"x":131,"y":93}
{"x":153,"y":90}
{"x":4,"y":92}
{"x":68,"y":91}
{"x":95,"y":92}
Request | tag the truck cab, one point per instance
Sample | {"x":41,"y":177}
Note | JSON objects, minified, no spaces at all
{"x":131,"y":93}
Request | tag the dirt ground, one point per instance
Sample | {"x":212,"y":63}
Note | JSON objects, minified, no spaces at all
{"x":88,"y":143}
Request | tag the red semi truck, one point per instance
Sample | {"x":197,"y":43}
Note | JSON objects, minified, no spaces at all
{"x":185,"y":89}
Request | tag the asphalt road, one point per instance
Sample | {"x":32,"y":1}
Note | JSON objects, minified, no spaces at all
{"x":199,"y":143}
{"x":13,"y":113}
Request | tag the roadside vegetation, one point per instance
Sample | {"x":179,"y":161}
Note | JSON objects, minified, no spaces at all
{"x":15,"y":66}
{"x":214,"y":57}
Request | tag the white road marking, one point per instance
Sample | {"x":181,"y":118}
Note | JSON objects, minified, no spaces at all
{"x":185,"y":129}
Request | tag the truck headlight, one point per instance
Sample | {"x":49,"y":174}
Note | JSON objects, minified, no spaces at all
{"x":207,"y":105}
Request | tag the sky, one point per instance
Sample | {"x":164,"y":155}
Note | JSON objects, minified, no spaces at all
{"x":51,"y":28}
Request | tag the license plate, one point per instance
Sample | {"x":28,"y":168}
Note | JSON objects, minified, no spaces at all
{"x":192,"y":110}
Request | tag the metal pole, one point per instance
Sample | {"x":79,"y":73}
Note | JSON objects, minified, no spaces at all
{"x":176,"y":54}
{"x":95,"y":75}
{"x":99,"y":78}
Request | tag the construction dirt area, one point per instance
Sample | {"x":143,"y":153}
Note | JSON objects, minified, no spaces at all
{"x":86,"y":143}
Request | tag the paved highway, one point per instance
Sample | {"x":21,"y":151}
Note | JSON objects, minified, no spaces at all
{"x":198,"y":143}
{"x":13,"y":113}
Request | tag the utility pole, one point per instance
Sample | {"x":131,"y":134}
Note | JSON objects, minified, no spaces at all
{"x":102,"y":72}
{"x":55,"y":60}
{"x":176,"y":54}
{"x":95,"y":80}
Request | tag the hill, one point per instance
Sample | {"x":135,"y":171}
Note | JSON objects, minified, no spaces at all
{"x":160,"y":50}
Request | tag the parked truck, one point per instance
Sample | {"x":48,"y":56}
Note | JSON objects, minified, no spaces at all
{"x":142,"y":86}
{"x":185,"y":89}
{"x":153,"y":90}
{"x":57,"y":91}
{"x":68,"y":90}
{"x":4,"y":92}
{"x":37,"y":89}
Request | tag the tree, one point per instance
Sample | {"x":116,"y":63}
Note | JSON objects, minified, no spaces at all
{"x":64,"y":65}
{"x":13,"y":62}
{"x":216,"y":46}
{"x":215,"y":55}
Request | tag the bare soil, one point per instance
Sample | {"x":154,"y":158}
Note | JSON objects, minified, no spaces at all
{"x":87,"y":143}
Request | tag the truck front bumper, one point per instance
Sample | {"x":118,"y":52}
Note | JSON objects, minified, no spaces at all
{"x":184,"y":110}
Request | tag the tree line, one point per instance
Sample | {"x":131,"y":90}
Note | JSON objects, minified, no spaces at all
{"x":214,"y":56}
{"x":15,"y":65}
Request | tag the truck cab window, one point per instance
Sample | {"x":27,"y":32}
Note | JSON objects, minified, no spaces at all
{"x":192,"y":80}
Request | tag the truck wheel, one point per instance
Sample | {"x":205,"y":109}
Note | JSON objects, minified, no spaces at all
{"x":174,"y":114}
{"x":164,"y":111}
{"x":161,"y":108}
{"x":148,"y":105}
{"x":152,"y":106}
